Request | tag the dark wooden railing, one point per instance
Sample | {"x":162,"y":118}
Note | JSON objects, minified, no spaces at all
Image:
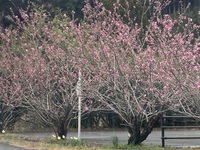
{"x":163,"y":127}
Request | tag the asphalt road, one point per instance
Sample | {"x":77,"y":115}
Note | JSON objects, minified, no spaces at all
{"x":4,"y":146}
{"x":105,"y":137}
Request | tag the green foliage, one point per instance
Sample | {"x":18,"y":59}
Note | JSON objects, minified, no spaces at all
{"x":130,"y":9}
{"x":194,"y":14}
{"x":71,"y":5}
{"x":115,"y":141}
{"x":75,"y":142}
{"x":65,"y":142}
{"x":138,"y":147}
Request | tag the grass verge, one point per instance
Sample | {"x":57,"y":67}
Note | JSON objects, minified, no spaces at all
{"x":52,"y":144}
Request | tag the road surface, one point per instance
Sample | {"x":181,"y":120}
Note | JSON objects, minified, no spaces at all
{"x":105,"y":137}
{"x":4,"y":146}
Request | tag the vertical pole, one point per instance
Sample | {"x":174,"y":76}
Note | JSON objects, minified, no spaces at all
{"x":79,"y":94}
{"x":79,"y":117}
{"x":162,"y":132}
{"x":163,"y":137}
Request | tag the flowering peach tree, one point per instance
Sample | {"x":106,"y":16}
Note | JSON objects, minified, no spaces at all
{"x":139,"y":73}
{"x":11,"y":103}
{"x":42,"y":73}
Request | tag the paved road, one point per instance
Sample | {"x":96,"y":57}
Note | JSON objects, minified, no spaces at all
{"x":4,"y":146}
{"x":105,"y":137}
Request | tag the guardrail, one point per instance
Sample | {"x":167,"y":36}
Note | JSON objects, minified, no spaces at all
{"x":163,"y":127}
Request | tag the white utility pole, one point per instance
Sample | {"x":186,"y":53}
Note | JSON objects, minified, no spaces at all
{"x":79,"y":94}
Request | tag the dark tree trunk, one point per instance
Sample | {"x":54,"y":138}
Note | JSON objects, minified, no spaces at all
{"x":62,"y":130}
{"x":1,"y":120}
{"x":134,"y":132}
{"x":138,"y":134}
{"x":1,"y":127}
{"x":149,"y":126}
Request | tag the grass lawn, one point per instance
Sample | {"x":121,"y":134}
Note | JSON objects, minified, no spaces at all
{"x":50,"y":144}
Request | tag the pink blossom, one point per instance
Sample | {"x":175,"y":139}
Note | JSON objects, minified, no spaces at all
{"x":65,"y":15}
{"x":85,"y":108}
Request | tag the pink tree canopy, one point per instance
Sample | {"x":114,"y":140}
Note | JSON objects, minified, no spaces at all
{"x":139,"y":73}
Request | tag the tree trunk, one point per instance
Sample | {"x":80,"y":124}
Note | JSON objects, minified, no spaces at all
{"x":134,"y":132}
{"x":62,"y":130}
{"x":1,"y":122}
{"x":1,"y":127}
{"x":149,"y":126}
{"x":136,"y":135}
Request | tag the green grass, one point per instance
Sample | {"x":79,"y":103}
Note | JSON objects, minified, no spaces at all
{"x":115,"y":142}
{"x":73,"y":144}
{"x":140,"y":147}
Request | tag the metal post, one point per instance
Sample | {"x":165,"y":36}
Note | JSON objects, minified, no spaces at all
{"x":79,"y":117}
{"x":163,"y":137}
{"x":79,"y":94}
{"x":162,"y":132}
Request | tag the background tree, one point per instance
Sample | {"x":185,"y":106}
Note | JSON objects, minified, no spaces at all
{"x":11,"y":101}
{"x":129,"y":9}
{"x":47,"y":72}
{"x":180,"y":52}
{"x":69,"y":6}
{"x":137,"y":78}
{"x":9,"y":9}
